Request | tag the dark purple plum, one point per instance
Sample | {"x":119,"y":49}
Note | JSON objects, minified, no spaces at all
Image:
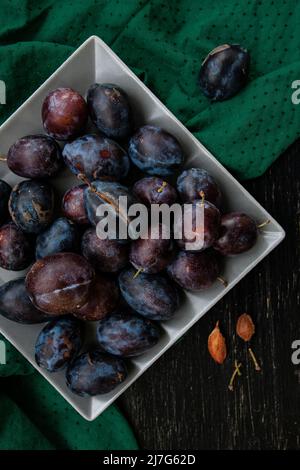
{"x":16,"y":305}
{"x":194,"y":271}
{"x":126,"y":334}
{"x":95,"y":373}
{"x":152,"y":254}
{"x":238,"y":233}
{"x":34,"y":156}
{"x":199,"y":227}
{"x":194,"y":180}
{"x":103,"y":299}
{"x":31,"y":205}
{"x":60,"y":283}
{"x":108,"y":192}
{"x":155,"y":151}
{"x":224,"y":72}
{"x":109,"y":109}
{"x":16,"y":249}
{"x":5,"y":191}
{"x":96,"y":157}
{"x":105,"y":255}
{"x":153,"y":296}
{"x":58,"y":343}
{"x":154,"y":190}
{"x":64,"y":114}
{"x":73,"y":205}
{"x":61,"y":236}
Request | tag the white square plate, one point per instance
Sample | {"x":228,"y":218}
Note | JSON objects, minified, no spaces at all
{"x":94,"y":62}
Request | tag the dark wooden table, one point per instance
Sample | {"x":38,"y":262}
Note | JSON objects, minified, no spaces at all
{"x":183,"y":401}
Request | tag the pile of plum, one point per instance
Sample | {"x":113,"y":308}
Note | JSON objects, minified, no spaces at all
{"x":74,"y":276}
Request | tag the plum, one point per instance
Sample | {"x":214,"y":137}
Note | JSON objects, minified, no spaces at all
{"x":95,"y":373}
{"x":105,"y":255}
{"x":199,"y":227}
{"x":58,"y":343}
{"x":16,"y":248}
{"x":34,"y":156}
{"x":224,"y":72}
{"x":154,"y":190}
{"x":152,"y":254}
{"x":108,"y":192}
{"x":73,"y":205}
{"x":16,"y":305}
{"x":126,"y":334}
{"x":153,"y":296}
{"x":60,"y":283}
{"x":238,"y":233}
{"x":195,"y":180}
{"x":109,"y":109}
{"x":96,"y":157}
{"x":61,"y":236}
{"x":155,"y":151}
{"x":5,"y":191}
{"x":31,"y":205}
{"x":194,"y":271}
{"x":64,"y":114}
{"x":103,"y":299}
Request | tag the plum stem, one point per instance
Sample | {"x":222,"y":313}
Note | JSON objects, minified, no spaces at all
{"x":202,"y":195}
{"x":235,"y":373}
{"x":161,"y":188}
{"x":139,"y":271}
{"x":263,"y":224}
{"x":3,"y":158}
{"x":222,"y":281}
{"x":256,"y":365}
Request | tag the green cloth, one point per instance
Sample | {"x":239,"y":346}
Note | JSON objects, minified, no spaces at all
{"x":166,"y":41}
{"x":33,"y":415}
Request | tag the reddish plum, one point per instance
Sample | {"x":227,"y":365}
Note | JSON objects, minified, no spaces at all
{"x":154,"y":190}
{"x":152,"y":254}
{"x":64,"y":114}
{"x":103,"y":299}
{"x":194,"y":271}
{"x":238,"y":233}
{"x":60,"y":283}
{"x":73,"y":205}
{"x":105,"y":255}
{"x":199,"y":227}
{"x":34,"y":156}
